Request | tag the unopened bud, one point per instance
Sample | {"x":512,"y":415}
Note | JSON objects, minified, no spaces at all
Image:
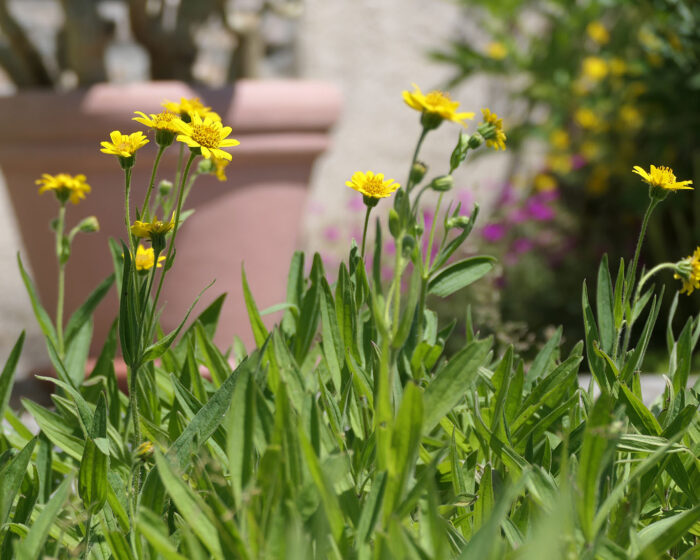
{"x":458,"y":222}
{"x":475,"y":141}
{"x":205,"y":167}
{"x":394,"y":222}
{"x":407,"y":245}
{"x":418,"y":171}
{"x":145,"y":450}
{"x":443,"y":183}
{"x":89,"y":225}
{"x":164,"y":187}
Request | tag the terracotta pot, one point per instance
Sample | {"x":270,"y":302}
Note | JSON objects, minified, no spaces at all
{"x":253,"y":218}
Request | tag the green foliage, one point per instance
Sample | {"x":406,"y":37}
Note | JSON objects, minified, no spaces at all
{"x":350,"y":432}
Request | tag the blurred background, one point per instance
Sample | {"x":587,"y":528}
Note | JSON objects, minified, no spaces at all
{"x":587,"y":89}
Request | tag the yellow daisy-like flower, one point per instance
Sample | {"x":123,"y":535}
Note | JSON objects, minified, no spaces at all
{"x":598,"y":32}
{"x":165,"y":120}
{"x":661,"y":177}
{"x":586,"y":118}
{"x":690,"y":273}
{"x":208,"y":136}
{"x":124,"y":145}
{"x":617,"y":66}
{"x":492,"y":130}
{"x":559,"y":139}
{"x":496,"y":50}
{"x":145,"y":258}
{"x":595,"y":68}
{"x":154,"y":228}
{"x":220,"y":167}
{"x":371,"y":185}
{"x":435,"y":104}
{"x":66,"y":187}
{"x":187,"y":108}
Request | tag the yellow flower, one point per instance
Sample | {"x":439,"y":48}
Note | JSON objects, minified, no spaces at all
{"x":661,"y":177}
{"x":66,"y":187}
{"x":496,"y":50}
{"x":165,"y":120}
{"x":152,"y":229}
{"x":559,"y":139}
{"x":559,"y":163}
{"x":145,"y":257}
{"x":492,"y":130}
{"x":617,"y":66}
{"x":595,"y":68}
{"x":189,"y":107}
{"x":586,"y":118}
{"x":124,"y":145}
{"x":590,"y":150}
{"x":630,"y":116}
{"x":207,"y":135}
{"x":544,"y":182}
{"x":598,"y":32}
{"x":435,"y":104}
{"x":689,"y":272}
{"x":220,"y":167}
{"x":371,"y":185}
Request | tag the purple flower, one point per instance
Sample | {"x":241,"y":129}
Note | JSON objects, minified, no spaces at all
{"x":521,"y":245}
{"x":390,"y":247}
{"x":578,"y":161}
{"x":518,"y":215}
{"x":493,"y":232}
{"x":539,"y":211}
{"x":355,"y":203}
{"x":466,"y":198}
{"x":331,"y":233}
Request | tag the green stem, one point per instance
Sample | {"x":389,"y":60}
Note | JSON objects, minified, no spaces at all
{"x":127,"y":220}
{"x":135,"y":417}
{"x":149,"y":286}
{"x":161,"y":149}
{"x":172,"y":239}
{"x":647,"y":276}
{"x":432,"y":234}
{"x":409,"y":183}
{"x":630,"y":280}
{"x":364,"y":232}
{"x":61,"y":277}
{"x":88,"y":524}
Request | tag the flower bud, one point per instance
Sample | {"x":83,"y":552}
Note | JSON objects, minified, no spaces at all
{"x":144,"y":451}
{"x":126,"y":162}
{"x":458,"y":222}
{"x":394,"y":223}
{"x":474,"y":142}
{"x":418,"y":171}
{"x":407,"y":245}
{"x":89,"y":225}
{"x":459,"y":154}
{"x":205,"y":167}
{"x":164,"y":187}
{"x":443,"y":183}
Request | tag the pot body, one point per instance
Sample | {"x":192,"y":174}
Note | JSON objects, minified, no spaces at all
{"x":252,"y":219}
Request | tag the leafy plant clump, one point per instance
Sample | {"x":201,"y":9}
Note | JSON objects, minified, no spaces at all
{"x":347,"y":432}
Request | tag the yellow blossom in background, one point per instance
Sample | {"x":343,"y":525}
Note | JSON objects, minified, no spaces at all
{"x":494,"y":135}
{"x":590,"y":150}
{"x":496,"y":50}
{"x":661,"y":177}
{"x":187,"y":108}
{"x":586,"y":118}
{"x":675,"y":42}
{"x":598,"y":32}
{"x":544,"y":182}
{"x":559,"y":139}
{"x":630,"y":116}
{"x":649,"y":39}
{"x":435,"y":103}
{"x":655,"y":59}
{"x":371,"y":185}
{"x":166,"y":120}
{"x":690,"y":273}
{"x":559,"y":163}
{"x":65,"y":186}
{"x":598,"y":181}
{"x":124,"y":145}
{"x":220,"y":167}
{"x":154,"y":228}
{"x":208,"y":135}
{"x":595,"y":68}
{"x":617,"y":66}
{"x":145,"y":257}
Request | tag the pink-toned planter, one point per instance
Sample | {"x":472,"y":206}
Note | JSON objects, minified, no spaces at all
{"x":253,"y":218}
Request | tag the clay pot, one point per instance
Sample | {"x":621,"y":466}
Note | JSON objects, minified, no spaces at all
{"x":253,"y":218}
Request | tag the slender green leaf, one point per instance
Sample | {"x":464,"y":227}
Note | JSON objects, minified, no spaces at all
{"x":8,"y":374}
{"x":11,"y":475}
{"x":459,"y":275}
